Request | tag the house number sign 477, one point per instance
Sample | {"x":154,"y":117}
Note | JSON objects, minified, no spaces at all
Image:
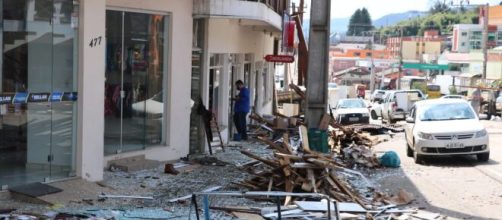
{"x":95,"y":41}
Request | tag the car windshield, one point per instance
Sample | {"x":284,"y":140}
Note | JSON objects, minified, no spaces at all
{"x":445,"y":112}
{"x":351,"y":103}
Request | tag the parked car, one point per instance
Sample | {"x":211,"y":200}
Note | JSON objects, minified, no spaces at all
{"x":352,"y":111}
{"x":377,"y":95}
{"x":397,"y":104}
{"x":445,"y":127}
{"x":453,"y":97}
{"x":376,"y":108}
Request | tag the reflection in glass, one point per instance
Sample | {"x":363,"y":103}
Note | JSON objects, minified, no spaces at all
{"x":38,"y":56}
{"x":134,"y":100}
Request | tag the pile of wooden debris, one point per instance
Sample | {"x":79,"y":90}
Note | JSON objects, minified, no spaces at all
{"x":295,"y":167}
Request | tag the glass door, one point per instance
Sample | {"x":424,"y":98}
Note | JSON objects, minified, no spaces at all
{"x":37,"y":139}
{"x":134,"y":86}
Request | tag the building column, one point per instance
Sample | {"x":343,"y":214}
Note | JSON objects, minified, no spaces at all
{"x":91,"y":84}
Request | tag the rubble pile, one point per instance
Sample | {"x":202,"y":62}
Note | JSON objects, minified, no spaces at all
{"x":295,"y":167}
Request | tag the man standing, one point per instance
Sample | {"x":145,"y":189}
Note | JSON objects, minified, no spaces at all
{"x":241,"y":109}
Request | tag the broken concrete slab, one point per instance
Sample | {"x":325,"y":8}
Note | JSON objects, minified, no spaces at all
{"x":132,"y":164}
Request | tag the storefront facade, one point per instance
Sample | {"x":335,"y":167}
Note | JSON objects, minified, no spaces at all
{"x":238,"y":35}
{"x":86,"y":82}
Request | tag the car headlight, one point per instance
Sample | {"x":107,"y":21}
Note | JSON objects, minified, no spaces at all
{"x":366,"y":115}
{"x":425,"y":136}
{"x":481,"y":133}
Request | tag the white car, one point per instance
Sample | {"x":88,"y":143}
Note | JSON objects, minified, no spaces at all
{"x":377,"y":95}
{"x":445,"y":127}
{"x":397,"y":104}
{"x":377,"y":107}
{"x":352,"y":111}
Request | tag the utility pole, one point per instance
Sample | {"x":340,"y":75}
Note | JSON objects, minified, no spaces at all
{"x":372,"y":74}
{"x":400,"y":58}
{"x":485,"y":39}
{"x":318,"y":62}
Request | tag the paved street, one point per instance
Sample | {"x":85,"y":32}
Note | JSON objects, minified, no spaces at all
{"x":456,"y":186}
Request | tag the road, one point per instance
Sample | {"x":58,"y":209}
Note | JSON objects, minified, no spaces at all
{"x":459,"y":187}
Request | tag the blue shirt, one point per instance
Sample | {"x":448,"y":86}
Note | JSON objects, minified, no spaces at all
{"x":242,"y":105}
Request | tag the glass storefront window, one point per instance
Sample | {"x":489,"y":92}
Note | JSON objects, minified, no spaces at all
{"x":135,"y":77}
{"x":38,"y":69}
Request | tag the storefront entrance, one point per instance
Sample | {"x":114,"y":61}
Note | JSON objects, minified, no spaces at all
{"x":38,"y":84}
{"x":135,"y":90}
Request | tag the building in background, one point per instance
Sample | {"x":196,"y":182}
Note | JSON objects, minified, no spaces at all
{"x":495,"y":15}
{"x":414,"y":48}
{"x":469,"y":37}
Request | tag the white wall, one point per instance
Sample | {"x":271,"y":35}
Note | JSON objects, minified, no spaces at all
{"x":179,"y":75}
{"x":227,"y":36}
{"x":91,"y":88}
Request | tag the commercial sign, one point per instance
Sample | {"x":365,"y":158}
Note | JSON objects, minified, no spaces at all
{"x":280,"y":58}
{"x":6,"y":98}
{"x":38,"y":97}
{"x":425,"y":66}
{"x":24,"y":97}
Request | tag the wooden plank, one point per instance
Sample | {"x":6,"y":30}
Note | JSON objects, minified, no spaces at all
{"x":247,"y":216}
{"x":290,"y":156}
{"x":285,"y":143}
{"x":270,"y":184}
{"x":273,"y":145}
{"x":289,"y":189}
{"x":324,"y":123}
{"x":265,"y":161}
{"x":345,"y":190}
{"x":305,"y":138}
{"x":310,"y":176}
{"x":303,"y":165}
{"x":236,"y":209}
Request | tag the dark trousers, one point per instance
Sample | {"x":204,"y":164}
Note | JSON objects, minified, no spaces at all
{"x":240,"y":124}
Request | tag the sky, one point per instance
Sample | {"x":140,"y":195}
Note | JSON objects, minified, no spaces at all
{"x":379,"y":8}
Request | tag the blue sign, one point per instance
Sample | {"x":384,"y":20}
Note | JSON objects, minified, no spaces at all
{"x":70,"y":96}
{"x":20,"y":97}
{"x":6,"y":99}
{"x":56,"y":96}
{"x":39,"y":97}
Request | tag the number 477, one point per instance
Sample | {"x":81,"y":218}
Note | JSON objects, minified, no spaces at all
{"x":95,"y":41}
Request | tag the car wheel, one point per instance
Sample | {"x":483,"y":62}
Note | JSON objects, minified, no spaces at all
{"x":419,"y":159}
{"x":374,"y":115}
{"x":409,"y":151}
{"x":484,"y":157}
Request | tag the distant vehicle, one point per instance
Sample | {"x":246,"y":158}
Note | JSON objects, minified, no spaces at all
{"x":332,"y":85}
{"x":351,"y":111}
{"x":445,"y":127}
{"x":453,"y":97}
{"x":433,"y":91}
{"x":397,"y":104}
{"x":376,"y":108}
{"x":414,"y":82}
{"x":377,"y":95}
{"x":361,"y":91}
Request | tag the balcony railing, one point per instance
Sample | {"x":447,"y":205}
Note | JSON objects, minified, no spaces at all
{"x":279,"y":6}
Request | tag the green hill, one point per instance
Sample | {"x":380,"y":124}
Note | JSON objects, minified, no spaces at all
{"x":442,"y":21}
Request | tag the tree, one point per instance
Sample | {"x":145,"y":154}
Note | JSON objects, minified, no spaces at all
{"x":359,"y":23}
{"x":439,"y":6}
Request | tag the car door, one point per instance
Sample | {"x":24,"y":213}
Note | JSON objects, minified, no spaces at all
{"x":408,"y":129}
